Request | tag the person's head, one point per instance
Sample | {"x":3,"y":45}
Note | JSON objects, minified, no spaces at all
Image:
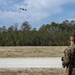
{"x":72,"y":39}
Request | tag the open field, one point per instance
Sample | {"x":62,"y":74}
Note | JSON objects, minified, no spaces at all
{"x":32,"y":51}
{"x":33,"y":72}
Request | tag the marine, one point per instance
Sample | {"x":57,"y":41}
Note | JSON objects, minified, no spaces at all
{"x":68,"y":60}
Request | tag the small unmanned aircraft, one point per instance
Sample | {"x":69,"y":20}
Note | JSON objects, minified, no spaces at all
{"x":23,"y":9}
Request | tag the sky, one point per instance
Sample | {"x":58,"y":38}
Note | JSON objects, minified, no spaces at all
{"x":38,"y":12}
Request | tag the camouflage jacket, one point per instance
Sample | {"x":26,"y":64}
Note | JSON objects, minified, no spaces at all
{"x":69,"y":56}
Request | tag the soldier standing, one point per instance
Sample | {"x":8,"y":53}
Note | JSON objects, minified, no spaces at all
{"x":68,"y":60}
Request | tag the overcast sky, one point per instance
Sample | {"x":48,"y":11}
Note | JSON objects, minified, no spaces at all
{"x":38,"y":12}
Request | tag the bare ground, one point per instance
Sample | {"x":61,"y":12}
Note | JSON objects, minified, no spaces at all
{"x":32,"y":51}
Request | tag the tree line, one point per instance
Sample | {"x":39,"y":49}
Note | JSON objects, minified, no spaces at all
{"x":54,"y":34}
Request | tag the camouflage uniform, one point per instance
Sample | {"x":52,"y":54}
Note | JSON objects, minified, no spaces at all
{"x":69,"y":60}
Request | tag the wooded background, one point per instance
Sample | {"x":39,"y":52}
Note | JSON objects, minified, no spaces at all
{"x":54,"y":34}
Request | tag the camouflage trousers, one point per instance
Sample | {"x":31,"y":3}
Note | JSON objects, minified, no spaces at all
{"x":70,"y":70}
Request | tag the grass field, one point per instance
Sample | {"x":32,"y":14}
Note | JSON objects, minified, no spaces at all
{"x":32,"y":51}
{"x":34,"y":72}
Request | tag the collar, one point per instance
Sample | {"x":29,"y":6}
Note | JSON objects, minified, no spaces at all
{"x":72,"y":45}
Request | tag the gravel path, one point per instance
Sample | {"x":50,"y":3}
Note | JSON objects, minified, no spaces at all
{"x":17,"y":63}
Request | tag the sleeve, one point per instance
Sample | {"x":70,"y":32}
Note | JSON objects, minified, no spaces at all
{"x":65,"y":62}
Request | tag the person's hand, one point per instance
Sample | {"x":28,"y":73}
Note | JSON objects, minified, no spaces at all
{"x":62,"y":58}
{"x":63,"y":65}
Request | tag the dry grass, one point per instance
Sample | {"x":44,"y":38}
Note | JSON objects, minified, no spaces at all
{"x":34,"y":72}
{"x":32,"y":51}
